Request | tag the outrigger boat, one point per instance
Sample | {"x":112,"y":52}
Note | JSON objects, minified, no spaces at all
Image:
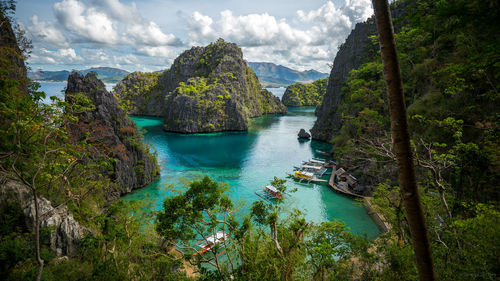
{"x":316,"y":170}
{"x":271,"y":192}
{"x":211,"y":241}
{"x":319,"y":163}
{"x":305,"y":176}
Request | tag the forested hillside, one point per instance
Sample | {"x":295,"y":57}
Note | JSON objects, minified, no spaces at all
{"x":451,"y":69}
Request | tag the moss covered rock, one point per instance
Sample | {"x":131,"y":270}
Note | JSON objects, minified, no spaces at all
{"x":300,"y":94}
{"x":140,"y":94}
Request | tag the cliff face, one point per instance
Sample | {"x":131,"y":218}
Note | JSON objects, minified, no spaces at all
{"x":111,"y":133}
{"x":356,"y":50}
{"x":212,"y":89}
{"x":305,"y":94}
{"x":140,"y":94}
{"x":67,"y":231}
{"x":353,"y":53}
{"x":207,"y":89}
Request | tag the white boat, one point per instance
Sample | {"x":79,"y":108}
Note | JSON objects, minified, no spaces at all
{"x":211,"y":241}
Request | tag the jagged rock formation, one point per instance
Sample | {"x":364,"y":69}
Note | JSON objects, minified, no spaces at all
{"x":208,"y":89}
{"x":305,"y":94}
{"x":356,"y":50}
{"x":303,"y":134}
{"x":352,"y":54}
{"x":66,"y":233}
{"x":140,"y":94}
{"x":111,"y":132}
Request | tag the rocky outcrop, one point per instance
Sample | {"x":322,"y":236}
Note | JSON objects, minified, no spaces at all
{"x":305,"y":94}
{"x":112,"y":134}
{"x":356,"y":50}
{"x":207,"y":89}
{"x":212,"y":89}
{"x":140,"y":94}
{"x":65,"y":233}
{"x":303,"y":134}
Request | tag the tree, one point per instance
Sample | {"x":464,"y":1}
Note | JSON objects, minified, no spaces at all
{"x":199,"y":214}
{"x":401,"y":141}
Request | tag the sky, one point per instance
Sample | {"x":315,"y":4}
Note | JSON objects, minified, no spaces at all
{"x":147,"y":35}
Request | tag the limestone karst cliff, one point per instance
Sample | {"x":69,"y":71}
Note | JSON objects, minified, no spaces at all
{"x":111,"y":132}
{"x":207,"y":89}
{"x":357,"y":49}
{"x":300,"y":94}
{"x":140,"y":94}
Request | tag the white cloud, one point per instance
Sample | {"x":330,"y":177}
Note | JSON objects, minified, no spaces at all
{"x":118,"y":10}
{"x":88,"y":24}
{"x":103,"y":23}
{"x":200,"y":28}
{"x":46,"y":32}
{"x":161,"y":51}
{"x":60,"y":56}
{"x":265,"y":38}
{"x":247,"y":30}
{"x":99,"y":30}
{"x":150,"y":34}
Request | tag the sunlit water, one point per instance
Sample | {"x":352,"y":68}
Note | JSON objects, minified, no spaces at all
{"x":245,"y":161}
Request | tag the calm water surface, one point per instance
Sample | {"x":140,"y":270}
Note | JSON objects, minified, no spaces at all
{"x":245,"y":161}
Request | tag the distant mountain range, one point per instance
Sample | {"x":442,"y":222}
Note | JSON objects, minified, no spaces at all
{"x":106,"y":74}
{"x":270,"y":74}
{"x":273,"y":75}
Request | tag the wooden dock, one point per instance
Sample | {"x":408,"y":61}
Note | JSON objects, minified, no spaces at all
{"x":332,"y":184}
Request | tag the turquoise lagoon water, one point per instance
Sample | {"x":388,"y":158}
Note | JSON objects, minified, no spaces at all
{"x":246,"y":161}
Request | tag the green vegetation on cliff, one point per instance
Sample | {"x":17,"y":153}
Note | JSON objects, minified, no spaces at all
{"x":305,"y":94}
{"x":139,"y":93}
{"x":450,"y":69}
{"x":207,"y":89}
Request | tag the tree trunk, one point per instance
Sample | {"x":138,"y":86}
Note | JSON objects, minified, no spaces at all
{"x":37,"y":236}
{"x":401,"y":141}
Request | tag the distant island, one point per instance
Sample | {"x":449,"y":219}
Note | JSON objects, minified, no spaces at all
{"x":106,"y":74}
{"x":270,"y":74}
{"x":273,"y":75}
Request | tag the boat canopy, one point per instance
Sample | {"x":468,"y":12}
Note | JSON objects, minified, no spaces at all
{"x":272,"y":188}
{"x":311,"y":167}
{"x":307,"y":174}
{"x":212,"y":239}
